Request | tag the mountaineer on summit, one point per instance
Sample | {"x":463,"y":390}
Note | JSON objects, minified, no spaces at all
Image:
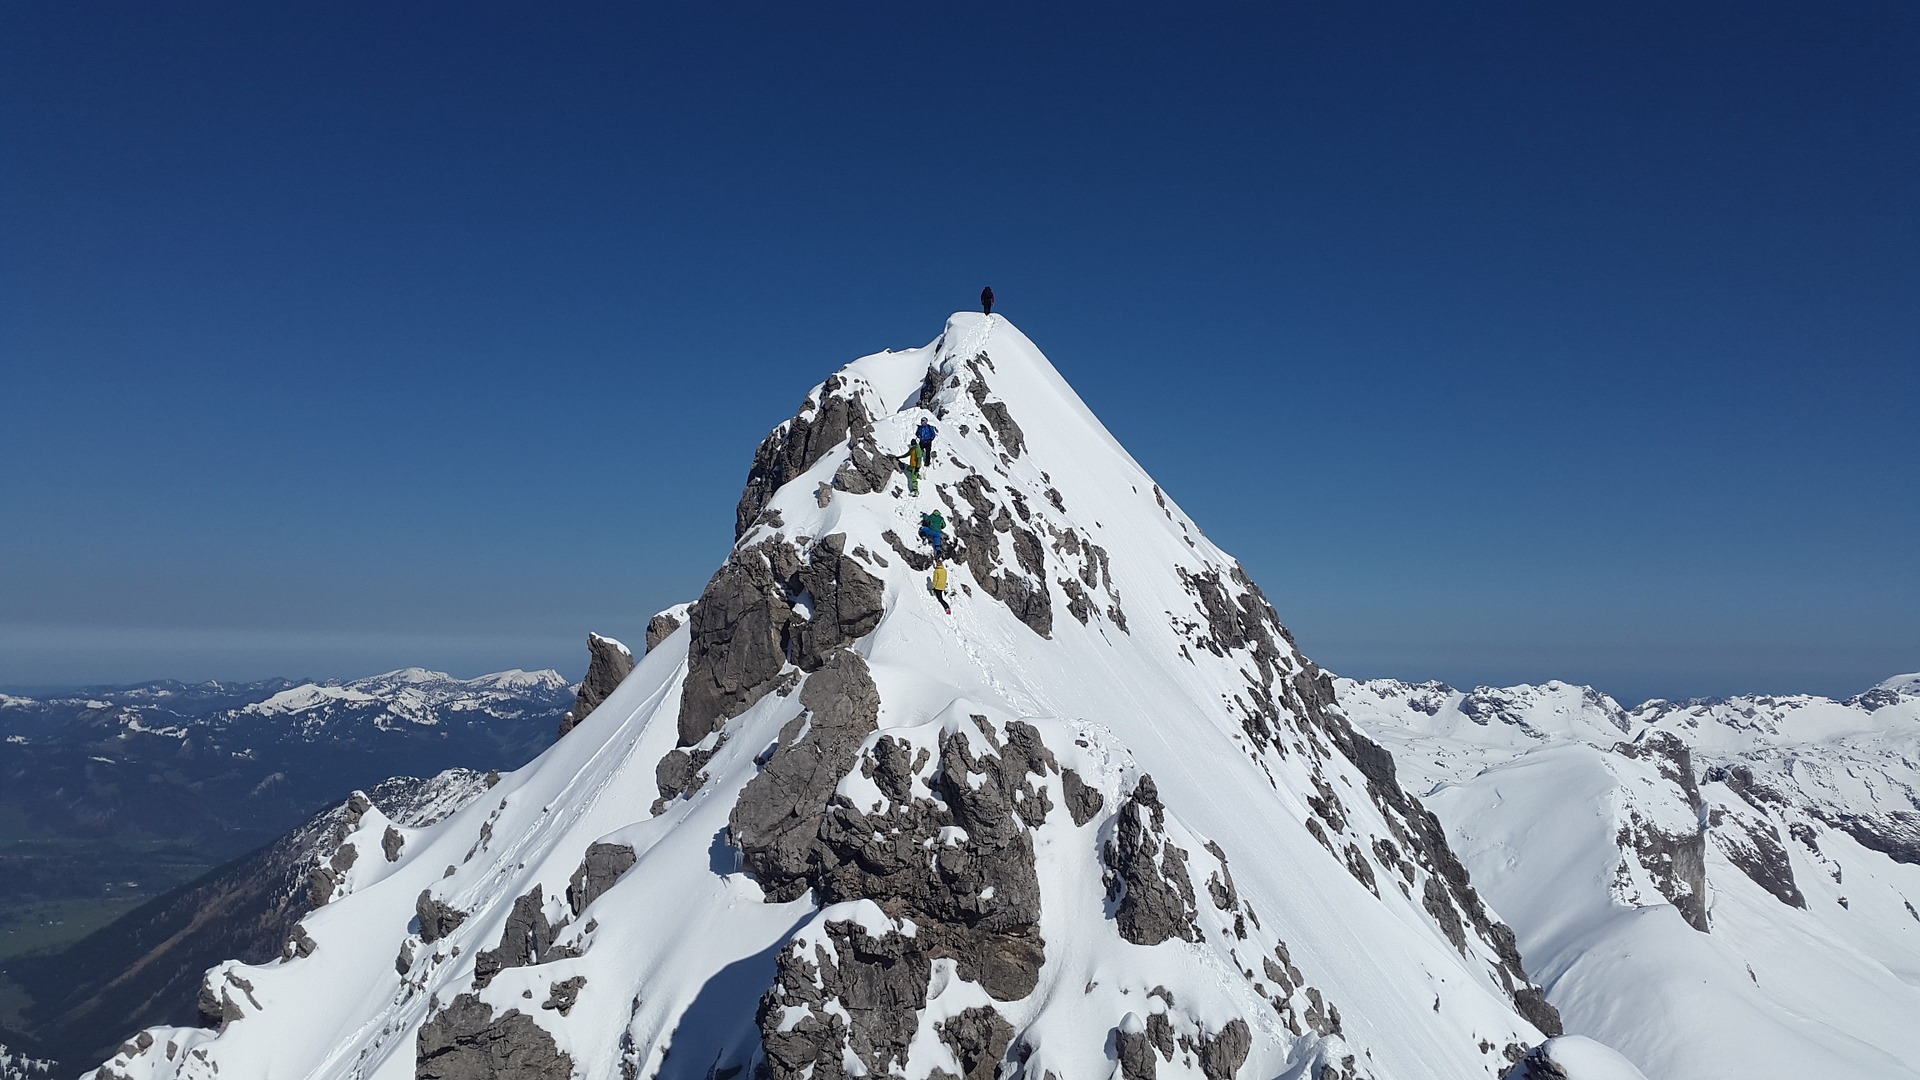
{"x":986,"y":299}
{"x":933,"y":528}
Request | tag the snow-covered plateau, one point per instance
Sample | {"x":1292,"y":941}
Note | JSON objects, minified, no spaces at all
{"x":1103,"y":820}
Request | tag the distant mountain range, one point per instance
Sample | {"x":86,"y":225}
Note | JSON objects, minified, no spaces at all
{"x":112,"y":796}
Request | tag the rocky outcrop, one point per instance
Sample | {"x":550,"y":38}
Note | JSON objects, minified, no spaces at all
{"x":221,"y":992}
{"x":1147,"y":882}
{"x":562,"y":995}
{"x":977,"y":543}
{"x":877,"y":986}
{"x":525,"y":941}
{"x":599,"y":869}
{"x":1142,"y":1044}
{"x":466,"y":1041}
{"x":824,"y":421}
{"x":746,"y":629}
{"x":950,"y":850}
{"x":1083,"y":801}
{"x":845,"y":602}
{"x":437,"y":918}
{"x":1752,"y":843}
{"x":738,"y":637}
{"x":608,"y":663}
{"x":1675,"y":860}
{"x":664,"y":623}
{"x":326,"y":876}
{"x":978,"y":1038}
{"x":1000,"y":422}
{"x":680,"y":771}
{"x":1895,"y":834}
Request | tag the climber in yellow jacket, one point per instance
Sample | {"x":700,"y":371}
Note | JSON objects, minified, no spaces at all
{"x":940,"y":585}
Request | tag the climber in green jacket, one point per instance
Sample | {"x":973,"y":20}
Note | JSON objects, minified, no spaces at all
{"x":933,"y":528}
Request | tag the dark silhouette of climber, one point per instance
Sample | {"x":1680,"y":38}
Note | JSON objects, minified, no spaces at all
{"x":986,"y":299}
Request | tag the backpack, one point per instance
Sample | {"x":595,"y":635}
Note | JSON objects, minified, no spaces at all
{"x":934,"y":521}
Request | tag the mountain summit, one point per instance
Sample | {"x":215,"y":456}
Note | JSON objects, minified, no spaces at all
{"x":1102,"y":820}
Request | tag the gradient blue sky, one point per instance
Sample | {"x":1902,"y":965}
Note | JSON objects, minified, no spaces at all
{"x":1502,"y":342}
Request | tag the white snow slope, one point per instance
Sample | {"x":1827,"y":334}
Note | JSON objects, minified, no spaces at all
{"x":1269,"y":905}
{"x":1786,"y":826}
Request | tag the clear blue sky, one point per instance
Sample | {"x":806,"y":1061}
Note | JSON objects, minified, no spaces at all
{"x":1501,"y":342}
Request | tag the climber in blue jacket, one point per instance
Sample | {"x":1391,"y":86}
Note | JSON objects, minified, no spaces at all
{"x":925,"y":433}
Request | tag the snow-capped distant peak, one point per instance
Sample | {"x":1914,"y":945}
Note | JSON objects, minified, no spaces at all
{"x":516,"y":679}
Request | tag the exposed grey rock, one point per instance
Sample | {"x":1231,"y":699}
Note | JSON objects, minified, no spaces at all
{"x":880,"y":983}
{"x":661,"y":627}
{"x":847,"y":602}
{"x":738,"y":643}
{"x":1083,"y":801}
{"x":776,"y":821}
{"x":976,"y":543}
{"x":465,"y":1041}
{"x":1895,"y":834}
{"x":1006,"y":432}
{"x":525,"y":941}
{"x":562,"y":995}
{"x":1078,"y":605}
{"x":327,"y":876}
{"x":1137,"y":1059}
{"x":1752,"y":843}
{"x":391,"y":842}
{"x":1220,"y":886}
{"x":608,"y":662}
{"x":795,"y":835}
{"x":1418,"y":832}
{"x":1322,"y":1017}
{"x":1435,"y":898}
{"x":1538,"y":1064}
{"x":1146,"y":874}
{"x":1222,"y":1053}
{"x":437,"y":917}
{"x":299,"y":943}
{"x":745,"y":629}
{"x":794,"y":447}
{"x":979,"y":1038}
{"x":918,"y":559}
{"x":1677,"y":862}
{"x":216,"y":1001}
{"x":678,"y":773}
{"x":867,"y":468}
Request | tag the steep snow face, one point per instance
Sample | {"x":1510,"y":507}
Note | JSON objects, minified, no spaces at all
{"x":1102,"y":819}
{"x":1782,"y":827}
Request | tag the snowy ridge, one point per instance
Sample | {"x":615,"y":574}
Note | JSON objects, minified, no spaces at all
{"x":1103,"y":820}
{"x":408,"y":696}
{"x":1726,"y":887}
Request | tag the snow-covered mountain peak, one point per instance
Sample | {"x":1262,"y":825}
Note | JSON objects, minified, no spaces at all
{"x":1100,"y":818}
